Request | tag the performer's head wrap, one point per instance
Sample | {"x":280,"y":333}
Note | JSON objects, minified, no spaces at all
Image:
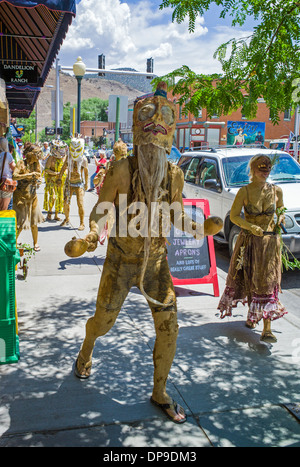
{"x":261,"y":162}
{"x":58,"y":148}
{"x":32,"y":152}
{"x":120,"y":149}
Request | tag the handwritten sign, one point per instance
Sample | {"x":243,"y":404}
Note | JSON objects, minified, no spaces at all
{"x":193,"y":261}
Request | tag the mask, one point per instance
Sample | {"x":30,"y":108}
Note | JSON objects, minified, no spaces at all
{"x":76,"y":148}
{"x":59,"y":149}
{"x":154,"y":121}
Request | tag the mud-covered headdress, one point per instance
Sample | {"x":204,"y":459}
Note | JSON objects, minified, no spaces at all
{"x":154,"y":119}
{"x":120,"y":149}
{"x":32,"y":152}
{"x":58,"y":148}
{"x":76,"y":148}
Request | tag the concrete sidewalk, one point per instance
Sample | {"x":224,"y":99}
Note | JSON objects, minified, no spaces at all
{"x":233,"y":387}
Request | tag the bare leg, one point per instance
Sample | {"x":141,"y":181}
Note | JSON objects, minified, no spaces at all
{"x":50,"y":203}
{"x":67,"y":214}
{"x":4,"y":203}
{"x":96,"y":326}
{"x":80,"y":201}
{"x":267,"y":335}
{"x":56,"y":216}
{"x":164,"y":351}
{"x":34,"y":232}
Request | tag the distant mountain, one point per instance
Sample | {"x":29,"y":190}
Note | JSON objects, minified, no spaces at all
{"x":141,"y":83}
{"x":91,"y":87}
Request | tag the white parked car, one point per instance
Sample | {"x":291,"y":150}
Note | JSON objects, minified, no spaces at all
{"x":217,"y":175}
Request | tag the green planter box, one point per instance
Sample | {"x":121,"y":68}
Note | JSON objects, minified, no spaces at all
{"x":9,"y":257}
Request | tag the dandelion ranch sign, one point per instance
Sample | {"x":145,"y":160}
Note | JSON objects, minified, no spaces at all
{"x":19,"y":74}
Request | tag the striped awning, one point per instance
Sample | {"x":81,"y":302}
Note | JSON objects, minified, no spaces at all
{"x":31,"y":34}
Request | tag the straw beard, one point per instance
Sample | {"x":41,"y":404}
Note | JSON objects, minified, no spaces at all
{"x":152,"y":164}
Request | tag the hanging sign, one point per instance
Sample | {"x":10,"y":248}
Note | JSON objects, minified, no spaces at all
{"x":19,"y":74}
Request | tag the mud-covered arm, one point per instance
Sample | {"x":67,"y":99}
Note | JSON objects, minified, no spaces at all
{"x":112,"y":185}
{"x":20,"y":172}
{"x":63,"y":169}
{"x":48,"y":168}
{"x":182,"y":221}
{"x":279,"y":205}
{"x":86,"y":177}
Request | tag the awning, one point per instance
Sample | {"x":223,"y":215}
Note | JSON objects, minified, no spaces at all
{"x":31,"y":34}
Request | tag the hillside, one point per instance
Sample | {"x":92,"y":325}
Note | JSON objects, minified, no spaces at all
{"x":90,"y":87}
{"x":139,"y":82}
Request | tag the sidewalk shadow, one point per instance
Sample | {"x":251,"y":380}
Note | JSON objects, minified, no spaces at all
{"x":83,"y":260}
{"x":50,"y":406}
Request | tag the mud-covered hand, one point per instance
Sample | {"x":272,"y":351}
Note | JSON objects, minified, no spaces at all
{"x":212,"y":225}
{"x":256,"y":230}
{"x":92,"y":240}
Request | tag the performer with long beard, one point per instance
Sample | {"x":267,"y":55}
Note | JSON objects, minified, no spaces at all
{"x":140,"y":260}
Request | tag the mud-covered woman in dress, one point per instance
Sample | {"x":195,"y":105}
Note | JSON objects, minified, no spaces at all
{"x":254,"y":274}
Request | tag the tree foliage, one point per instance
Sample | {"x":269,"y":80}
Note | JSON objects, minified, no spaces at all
{"x":264,"y":65}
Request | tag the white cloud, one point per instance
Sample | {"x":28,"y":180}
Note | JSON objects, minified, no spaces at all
{"x":128,"y":34}
{"x":99,"y":27}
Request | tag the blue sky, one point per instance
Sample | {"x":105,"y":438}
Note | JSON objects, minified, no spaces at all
{"x":130,"y":31}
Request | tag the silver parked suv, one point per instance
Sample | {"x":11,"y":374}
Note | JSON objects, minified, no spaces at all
{"x":217,"y":174}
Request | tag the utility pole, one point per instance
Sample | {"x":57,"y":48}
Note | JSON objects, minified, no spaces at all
{"x":296,"y":132}
{"x":57,"y":97}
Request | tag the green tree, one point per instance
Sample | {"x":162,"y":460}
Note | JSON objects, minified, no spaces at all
{"x":29,"y":127}
{"x":264,"y":65}
{"x":94,"y":109}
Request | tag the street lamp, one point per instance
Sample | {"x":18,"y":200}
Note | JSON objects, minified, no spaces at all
{"x":104,"y":135}
{"x":78,"y":70}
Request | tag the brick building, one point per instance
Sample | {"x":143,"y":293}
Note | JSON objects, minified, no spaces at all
{"x":92,"y":128}
{"x":195,"y":131}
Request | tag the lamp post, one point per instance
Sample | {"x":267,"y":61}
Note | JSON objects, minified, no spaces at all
{"x":79,"y":70}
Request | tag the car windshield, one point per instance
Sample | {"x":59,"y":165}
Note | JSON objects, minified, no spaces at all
{"x":236,"y":170}
{"x":174,"y":156}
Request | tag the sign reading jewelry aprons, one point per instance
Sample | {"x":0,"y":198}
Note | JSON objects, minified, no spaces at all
{"x":19,"y":73}
{"x":193,"y":261}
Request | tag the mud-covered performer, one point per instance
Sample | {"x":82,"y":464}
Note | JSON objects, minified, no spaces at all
{"x":148,"y":180}
{"x":25,"y":200}
{"x":54,"y":192}
{"x":254,"y":274}
{"x":76,"y":181}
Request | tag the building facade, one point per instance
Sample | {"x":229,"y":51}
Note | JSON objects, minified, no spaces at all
{"x":202,"y":131}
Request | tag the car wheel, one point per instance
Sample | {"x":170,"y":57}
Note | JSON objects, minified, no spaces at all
{"x":233,"y":235}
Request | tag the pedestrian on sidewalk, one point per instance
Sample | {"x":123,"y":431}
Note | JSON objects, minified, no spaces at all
{"x":7,"y":167}
{"x":254,"y":274}
{"x":101,"y":164}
